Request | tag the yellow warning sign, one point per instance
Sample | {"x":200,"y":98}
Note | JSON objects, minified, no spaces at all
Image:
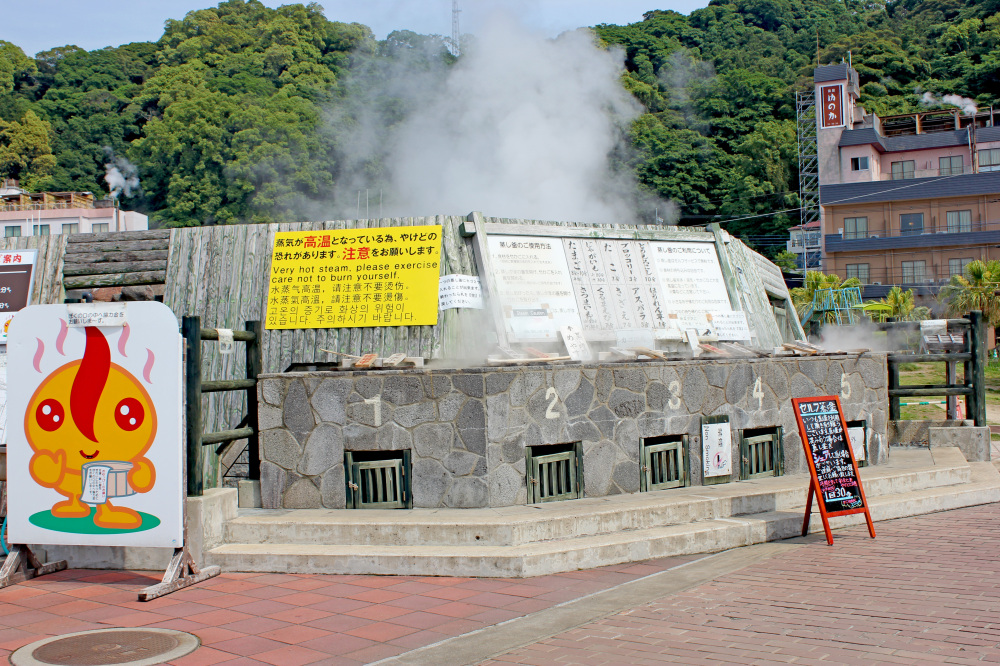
{"x":359,"y":277}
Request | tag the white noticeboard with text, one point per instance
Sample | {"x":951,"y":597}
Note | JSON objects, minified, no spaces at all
{"x":692,"y":281}
{"x":533,"y":285}
{"x":95,"y":447}
{"x":717,"y":454}
{"x":460,"y":291}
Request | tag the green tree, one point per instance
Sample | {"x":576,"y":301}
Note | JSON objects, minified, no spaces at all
{"x":976,"y":289}
{"x":25,"y":153}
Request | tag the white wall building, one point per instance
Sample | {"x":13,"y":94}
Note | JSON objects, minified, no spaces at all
{"x":47,"y":213}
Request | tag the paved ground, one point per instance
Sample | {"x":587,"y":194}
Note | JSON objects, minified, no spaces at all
{"x":927,"y":590}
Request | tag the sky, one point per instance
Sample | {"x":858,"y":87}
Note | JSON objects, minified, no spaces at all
{"x":38,"y":25}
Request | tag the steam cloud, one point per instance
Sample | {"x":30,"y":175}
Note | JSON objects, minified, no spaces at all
{"x":120,"y":175}
{"x":520,"y":126}
{"x":967,"y":105}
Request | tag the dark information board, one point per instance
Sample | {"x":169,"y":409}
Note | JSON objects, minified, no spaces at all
{"x":835,"y":481}
{"x":16,"y":267}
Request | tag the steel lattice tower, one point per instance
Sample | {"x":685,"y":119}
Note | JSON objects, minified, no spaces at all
{"x":456,"y":47}
{"x":805,"y":131}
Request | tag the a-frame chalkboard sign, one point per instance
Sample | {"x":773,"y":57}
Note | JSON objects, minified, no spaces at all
{"x":834,"y":479}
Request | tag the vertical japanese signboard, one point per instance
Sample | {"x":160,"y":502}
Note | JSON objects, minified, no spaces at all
{"x":832,"y":105}
{"x":355,"y":277}
{"x":716,"y":440}
{"x":834,"y":479}
{"x":16,"y":275}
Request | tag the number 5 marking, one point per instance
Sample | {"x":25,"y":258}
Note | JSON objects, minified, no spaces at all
{"x":845,"y":386}
{"x":758,"y":392}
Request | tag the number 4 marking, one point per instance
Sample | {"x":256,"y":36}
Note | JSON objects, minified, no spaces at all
{"x":758,"y":392}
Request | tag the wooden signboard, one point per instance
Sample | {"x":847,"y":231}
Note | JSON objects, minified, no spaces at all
{"x":834,"y":472}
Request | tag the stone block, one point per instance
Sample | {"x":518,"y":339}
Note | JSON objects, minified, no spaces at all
{"x":604,"y":419}
{"x":272,"y":484}
{"x":693,"y":388}
{"x":471,"y":384}
{"x":626,"y":404}
{"x":472,"y":427}
{"x":974,"y":443}
{"x":449,"y":405}
{"x":330,"y":398}
{"x":815,"y":369}
{"x":269,"y":417}
{"x":740,"y":384}
{"x":249,"y":494}
{"x":391,"y":437}
{"x":566,"y":381}
{"x":497,"y":413}
{"x":359,"y":437}
{"x":302,"y":494}
{"x":499,"y":382}
{"x":368,"y":386}
{"x":467,"y":493}
{"x":505,"y":483}
{"x":333,"y":489}
{"x":323,"y":450}
{"x":625,"y":477}
{"x":278,"y":446}
{"x":605,"y":383}
{"x":717,"y":374}
{"x":434,"y":440}
{"x":298,"y":416}
{"x":402,"y":390}
{"x":436,"y":385}
{"x":429,"y":483}
{"x":598,"y":465}
{"x":409,"y":416}
{"x":802,"y":387}
{"x":272,"y":391}
{"x":630,"y":379}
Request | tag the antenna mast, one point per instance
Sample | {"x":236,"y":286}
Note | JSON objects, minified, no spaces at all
{"x":456,"y":49}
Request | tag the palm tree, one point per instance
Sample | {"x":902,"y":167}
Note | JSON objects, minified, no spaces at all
{"x":899,"y":305}
{"x":975,"y":290}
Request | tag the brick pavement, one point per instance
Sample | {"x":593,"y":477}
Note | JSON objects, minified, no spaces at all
{"x":289,"y":619}
{"x":926,"y":590}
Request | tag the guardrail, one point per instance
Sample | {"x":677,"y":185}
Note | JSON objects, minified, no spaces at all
{"x":973,"y":358}
{"x":194,"y":334}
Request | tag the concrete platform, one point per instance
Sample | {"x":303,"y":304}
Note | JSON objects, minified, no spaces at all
{"x":563,"y":536}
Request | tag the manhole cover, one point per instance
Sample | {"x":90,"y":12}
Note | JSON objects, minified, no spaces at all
{"x":134,"y":647}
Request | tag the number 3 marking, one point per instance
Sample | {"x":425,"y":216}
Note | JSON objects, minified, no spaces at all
{"x":675,"y":394}
{"x":551,"y":393}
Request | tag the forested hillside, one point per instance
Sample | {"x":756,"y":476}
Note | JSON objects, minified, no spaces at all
{"x":241,"y":113}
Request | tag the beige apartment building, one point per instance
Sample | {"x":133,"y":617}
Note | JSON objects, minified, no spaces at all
{"x":48,"y":213}
{"x":905,"y":200}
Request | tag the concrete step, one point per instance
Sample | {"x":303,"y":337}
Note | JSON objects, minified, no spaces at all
{"x":910,"y":470}
{"x":919,"y":488}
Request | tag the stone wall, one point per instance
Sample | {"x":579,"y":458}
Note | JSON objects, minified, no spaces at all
{"x":467,"y":429}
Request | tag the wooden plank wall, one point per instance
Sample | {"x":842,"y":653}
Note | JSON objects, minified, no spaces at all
{"x":221,"y":274}
{"x":116,"y":259}
{"x":47,"y":287}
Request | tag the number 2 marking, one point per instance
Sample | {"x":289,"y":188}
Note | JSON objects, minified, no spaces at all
{"x":758,"y":392}
{"x":551,"y":393}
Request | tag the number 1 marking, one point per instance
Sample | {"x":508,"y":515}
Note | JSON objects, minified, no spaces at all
{"x":758,"y":392}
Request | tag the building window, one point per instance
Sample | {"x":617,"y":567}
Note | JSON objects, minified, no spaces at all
{"x":901,"y":170}
{"x":41,"y":230}
{"x":71,"y":228}
{"x":11,"y":232}
{"x":959,"y":221}
{"x":914,"y":271}
{"x":957,"y":266}
{"x":99,"y":227}
{"x":911,"y":223}
{"x":855,"y":227}
{"x":859,"y":164}
{"x":951,"y":166}
{"x":989,"y":159}
{"x":859,"y":271}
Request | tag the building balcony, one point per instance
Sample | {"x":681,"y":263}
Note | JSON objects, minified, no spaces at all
{"x":929,"y":236}
{"x":927,"y":173}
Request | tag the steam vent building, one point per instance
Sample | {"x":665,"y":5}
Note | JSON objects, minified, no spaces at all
{"x":905,"y":200}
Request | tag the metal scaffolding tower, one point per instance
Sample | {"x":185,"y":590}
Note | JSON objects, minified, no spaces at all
{"x":455,"y":45}
{"x":805,"y":130}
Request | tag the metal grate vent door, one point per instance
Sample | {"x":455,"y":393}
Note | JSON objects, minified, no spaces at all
{"x":382,"y":483}
{"x":554,"y":476}
{"x":664,"y":463}
{"x":761,"y":455}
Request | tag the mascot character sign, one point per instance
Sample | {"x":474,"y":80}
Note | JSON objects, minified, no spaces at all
{"x":94,"y":425}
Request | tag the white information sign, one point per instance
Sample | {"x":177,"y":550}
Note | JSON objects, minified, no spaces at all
{"x":731,"y":325}
{"x":857,"y":436}
{"x":635,"y":337}
{"x":226,"y":344}
{"x":533,"y":285}
{"x":716,"y":439}
{"x":460,"y":291}
{"x":691,"y":279}
{"x":95,"y":447}
{"x":95,"y":314}
{"x":576,"y":345}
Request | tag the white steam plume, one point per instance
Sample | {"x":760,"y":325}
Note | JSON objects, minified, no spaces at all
{"x":520,"y":126}
{"x":121,"y":175}
{"x":967,"y":105}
